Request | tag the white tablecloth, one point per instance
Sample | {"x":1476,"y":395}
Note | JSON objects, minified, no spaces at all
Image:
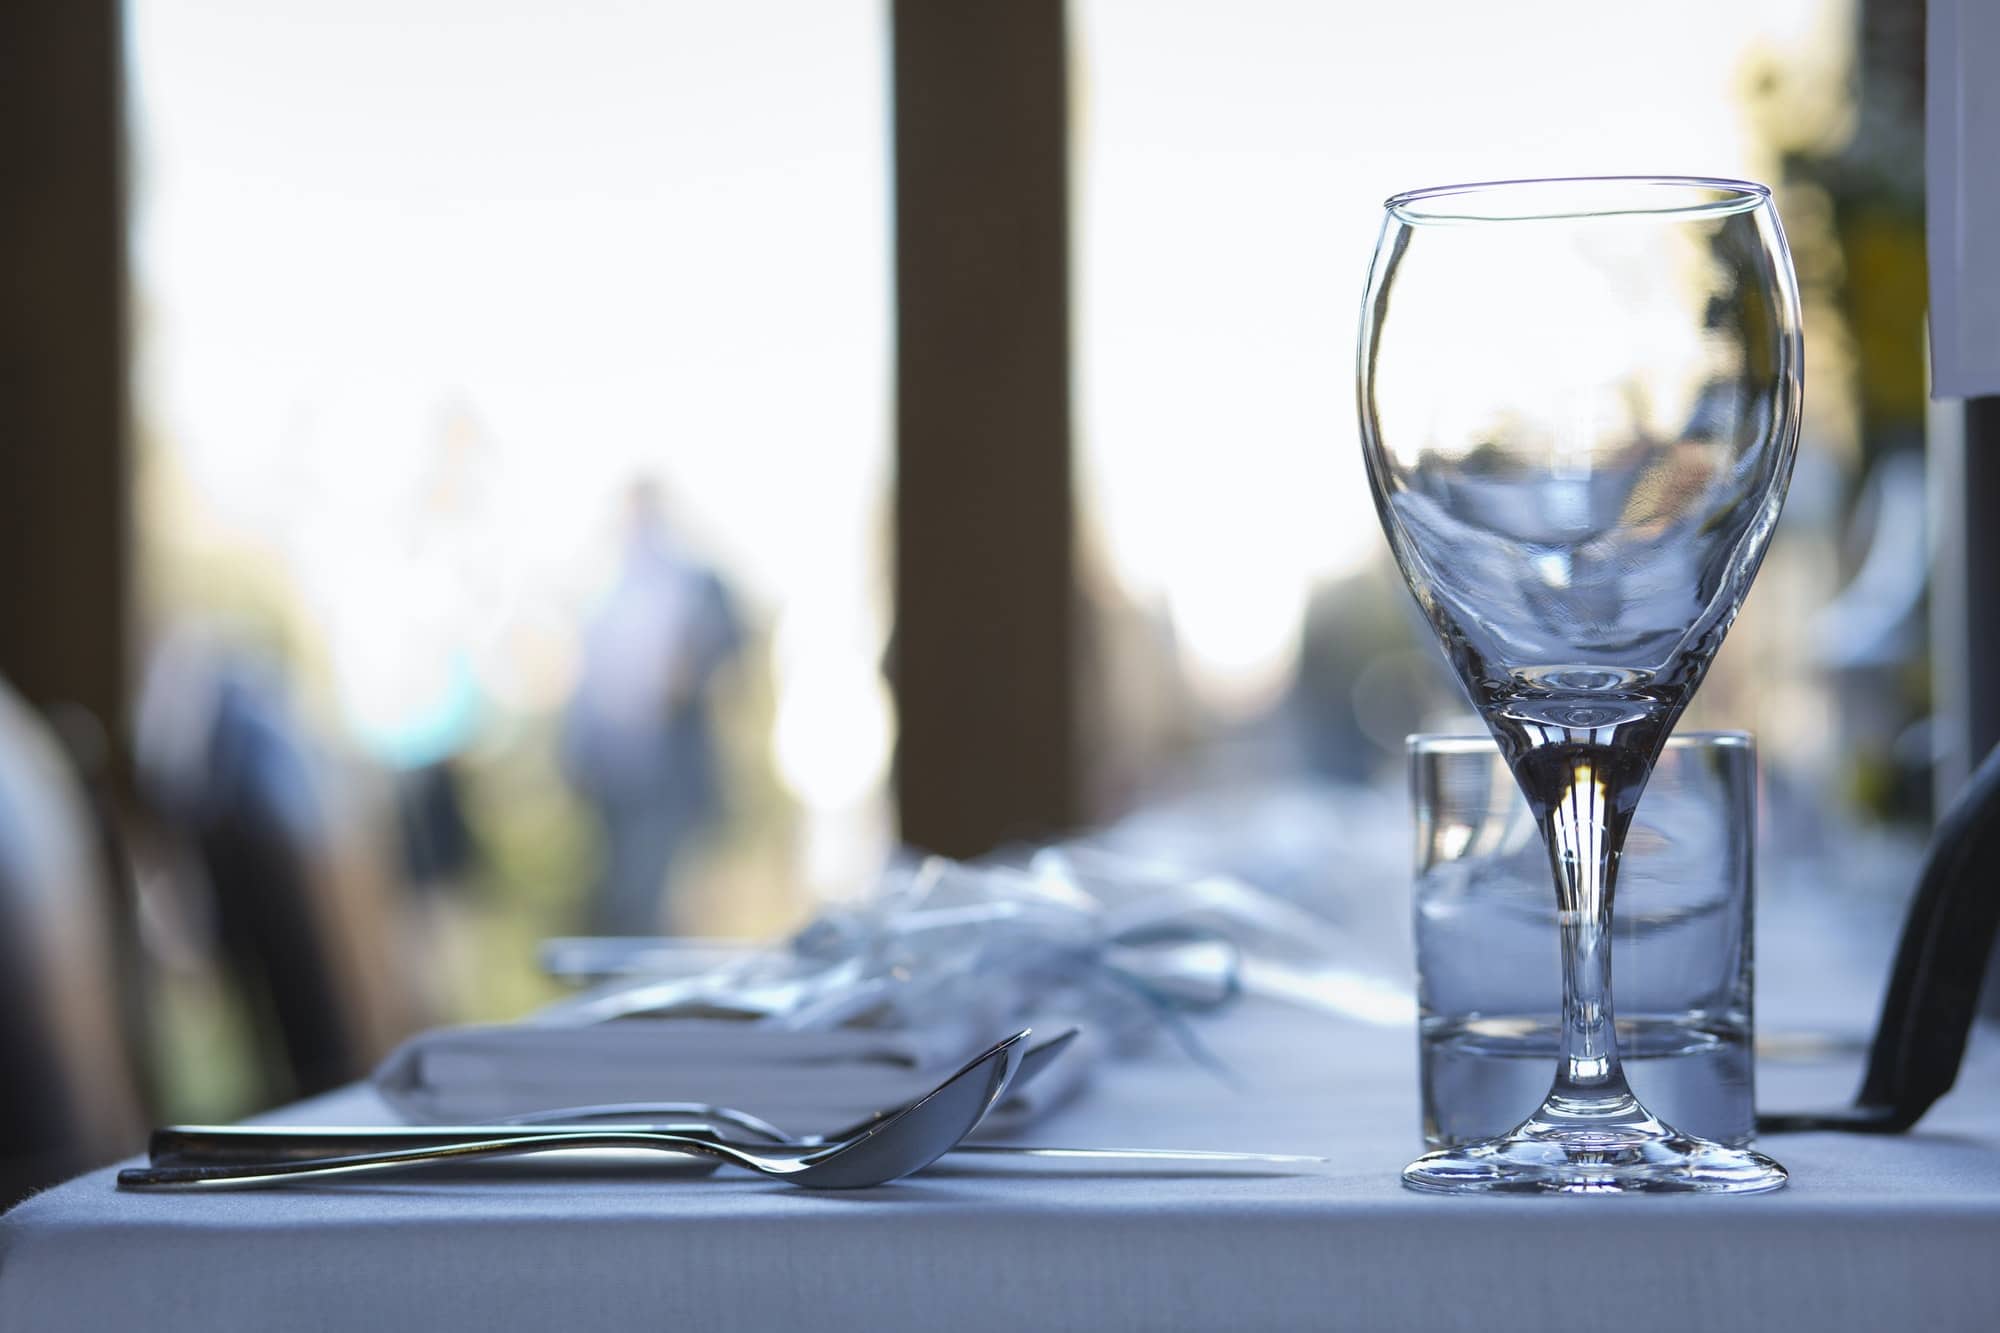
{"x":1873,"y":1233}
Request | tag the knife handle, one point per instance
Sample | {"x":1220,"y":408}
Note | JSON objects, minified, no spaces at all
{"x":242,"y":1145}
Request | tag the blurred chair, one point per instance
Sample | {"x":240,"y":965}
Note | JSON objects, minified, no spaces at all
{"x":67,"y":1094}
{"x":308,"y":945}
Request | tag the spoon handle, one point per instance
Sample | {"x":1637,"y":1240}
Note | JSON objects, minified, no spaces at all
{"x":250,"y":1174}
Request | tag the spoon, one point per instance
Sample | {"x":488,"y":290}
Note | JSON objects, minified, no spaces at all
{"x":190,"y":1145}
{"x":887,"y":1150}
{"x":207,"y":1145}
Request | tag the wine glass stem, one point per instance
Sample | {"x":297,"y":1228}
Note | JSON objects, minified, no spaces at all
{"x":1589,"y":1050}
{"x":1585,"y":823}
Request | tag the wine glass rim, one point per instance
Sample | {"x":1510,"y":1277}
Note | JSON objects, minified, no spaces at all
{"x":1561,"y":198}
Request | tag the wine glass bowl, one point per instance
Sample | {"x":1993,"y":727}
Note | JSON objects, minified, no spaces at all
{"x":1579,"y":406}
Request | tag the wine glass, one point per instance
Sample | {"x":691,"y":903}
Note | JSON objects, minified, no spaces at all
{"x":1579,"y":407}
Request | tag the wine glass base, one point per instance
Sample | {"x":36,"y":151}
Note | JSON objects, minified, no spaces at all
{"x":1624,"y":1159}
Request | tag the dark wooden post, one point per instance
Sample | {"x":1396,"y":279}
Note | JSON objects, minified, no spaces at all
{"x":64,"y":511}
{"x":984,"y":534}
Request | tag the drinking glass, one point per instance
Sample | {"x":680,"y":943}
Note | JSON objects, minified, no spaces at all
{"x":1579,"y":406}
{"x":1487,"y":989}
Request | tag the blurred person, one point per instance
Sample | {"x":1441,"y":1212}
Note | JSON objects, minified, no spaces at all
{"x":638,"y":738}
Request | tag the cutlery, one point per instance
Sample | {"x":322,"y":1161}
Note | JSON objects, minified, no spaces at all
{"x":191,"y":1145}
{"x":907,"y":1141}
{"x":251,"y":1145}
{"x":194,"y":1145}
{"x":179,"y":1145}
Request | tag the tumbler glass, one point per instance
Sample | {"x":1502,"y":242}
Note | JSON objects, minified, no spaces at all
{"x":1489,"y":975}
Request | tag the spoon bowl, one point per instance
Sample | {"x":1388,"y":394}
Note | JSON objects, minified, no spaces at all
{"x":1034,"y":1061}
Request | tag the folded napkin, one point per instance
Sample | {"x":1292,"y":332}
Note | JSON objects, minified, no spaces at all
{"x":805,"y":1082}
{"x":874,"y":1003}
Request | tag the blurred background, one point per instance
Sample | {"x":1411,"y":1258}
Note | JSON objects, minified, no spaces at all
{"x":485,"y":472}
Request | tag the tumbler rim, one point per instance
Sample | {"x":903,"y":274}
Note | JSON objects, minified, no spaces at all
{"x":1466,"y":742}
